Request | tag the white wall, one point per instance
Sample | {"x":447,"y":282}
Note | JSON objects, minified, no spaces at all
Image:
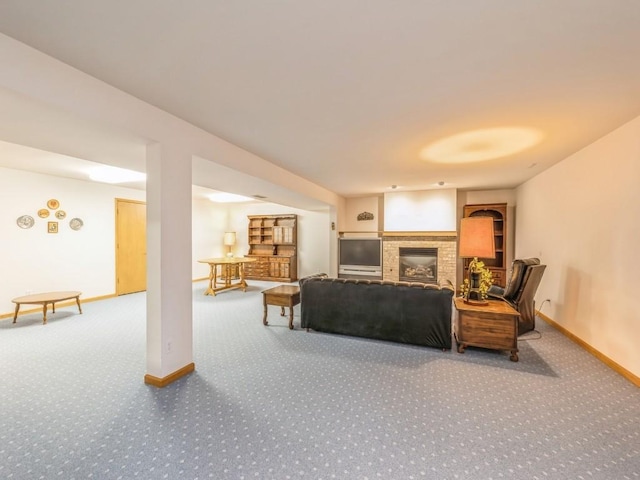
{"x":427,"y":211}
{"x":209,"y":222}
{"x":474,"y":197}
{"x":582,"y":218}
{"x":356,"y":206}
{"x":36,"y":261}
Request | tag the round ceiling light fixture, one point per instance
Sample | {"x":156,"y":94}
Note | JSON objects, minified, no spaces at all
{"x":481,"y":145}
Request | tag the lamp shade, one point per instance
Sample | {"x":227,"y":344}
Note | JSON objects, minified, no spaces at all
{"x":476,"y":238}
{"x":229,"y":238}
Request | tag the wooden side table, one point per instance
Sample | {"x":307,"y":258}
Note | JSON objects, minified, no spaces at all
{"x":493,"y":326}
{"x":282,"y":296}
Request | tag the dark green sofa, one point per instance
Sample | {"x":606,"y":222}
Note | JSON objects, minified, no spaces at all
{"x":404,"y":312}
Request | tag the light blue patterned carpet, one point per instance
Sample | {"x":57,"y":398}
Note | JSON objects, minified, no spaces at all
{"x":270,"y":403}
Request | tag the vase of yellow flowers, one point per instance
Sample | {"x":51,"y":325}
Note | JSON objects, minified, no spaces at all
{"x":475,"y":288}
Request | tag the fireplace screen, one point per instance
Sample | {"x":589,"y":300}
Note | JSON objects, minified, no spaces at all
{"x":419,"y":265}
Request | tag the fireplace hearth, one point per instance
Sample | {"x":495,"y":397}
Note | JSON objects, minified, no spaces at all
{"x":418,"y":264}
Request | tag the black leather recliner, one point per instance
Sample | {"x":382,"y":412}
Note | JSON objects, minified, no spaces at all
{"x":524,"y":279}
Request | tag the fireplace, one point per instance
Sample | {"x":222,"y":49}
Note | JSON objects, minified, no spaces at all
{"x":444,"y":243}
{"x":417,"y":264}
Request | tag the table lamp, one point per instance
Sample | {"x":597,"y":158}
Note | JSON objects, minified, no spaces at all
{"x":229,"y":241}
{"x":476,"y":240}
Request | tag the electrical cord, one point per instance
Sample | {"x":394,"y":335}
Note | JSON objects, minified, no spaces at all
{"x":529,"y":336}
{"x":543,"y":302}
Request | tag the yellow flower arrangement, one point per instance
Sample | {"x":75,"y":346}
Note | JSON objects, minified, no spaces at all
{"x":485,"y":279}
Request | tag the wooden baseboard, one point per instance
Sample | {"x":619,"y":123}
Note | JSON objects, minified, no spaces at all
{"x":163,"y":382}
{"x":600,"y":356}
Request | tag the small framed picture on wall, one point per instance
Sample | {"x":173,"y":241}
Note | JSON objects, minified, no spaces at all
{"x":52,"y":227}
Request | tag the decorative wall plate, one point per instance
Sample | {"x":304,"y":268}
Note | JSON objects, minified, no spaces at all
{"x":43,"y":213}
{"x":25,"y":221}
{"x":60,"y":214}
{"x":76,"y":224}
{"x":53,"y":204}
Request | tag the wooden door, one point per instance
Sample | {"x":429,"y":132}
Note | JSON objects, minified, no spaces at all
{"x":131,"y":246}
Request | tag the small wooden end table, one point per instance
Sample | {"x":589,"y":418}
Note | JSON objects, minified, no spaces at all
{"x":45,"y":299}
{"x":282,"y":296}
{"x":492,"y":326}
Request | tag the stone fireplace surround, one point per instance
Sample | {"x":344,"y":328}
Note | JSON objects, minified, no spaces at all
{"x":445,"y":242}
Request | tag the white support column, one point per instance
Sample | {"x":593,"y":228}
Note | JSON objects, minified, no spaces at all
{"x":169,"y":287}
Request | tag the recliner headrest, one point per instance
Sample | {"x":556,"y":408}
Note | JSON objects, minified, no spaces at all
{"x":518,"y":267}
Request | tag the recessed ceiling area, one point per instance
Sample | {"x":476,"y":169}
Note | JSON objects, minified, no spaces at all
{"x":348,"y":97}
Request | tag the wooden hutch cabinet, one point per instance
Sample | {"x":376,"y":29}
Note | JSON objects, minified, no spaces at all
{"x":498,"y":211}
{"x":273,"y":241}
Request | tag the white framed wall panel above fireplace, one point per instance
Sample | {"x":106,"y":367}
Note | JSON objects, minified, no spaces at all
{"x":420,"y":211}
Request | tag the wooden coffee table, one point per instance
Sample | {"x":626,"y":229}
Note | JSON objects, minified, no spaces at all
{"x":492,"y":326}
{"x":45,"y":299}
{"x":282,"y":296}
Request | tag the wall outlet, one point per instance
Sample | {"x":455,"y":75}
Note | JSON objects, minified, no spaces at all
{"x":169,"y":346}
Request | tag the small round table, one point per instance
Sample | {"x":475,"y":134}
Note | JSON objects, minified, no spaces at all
{"x":45,"y":299}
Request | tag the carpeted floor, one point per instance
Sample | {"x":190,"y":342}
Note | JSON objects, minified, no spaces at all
{"x":270,"y":403}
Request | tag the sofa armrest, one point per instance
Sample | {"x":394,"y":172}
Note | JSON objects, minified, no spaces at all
{"x":445,"y":283}
{"x":315,"y":275}
{"x":496,"y":292}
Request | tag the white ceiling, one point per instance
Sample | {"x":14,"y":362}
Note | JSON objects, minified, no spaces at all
{"x":346,"y":93}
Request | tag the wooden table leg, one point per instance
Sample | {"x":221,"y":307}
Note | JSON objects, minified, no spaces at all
{"x":290,"y":317}
{"x":78,"y":302}
{"x":225,"y":273}
{"x":243,"y":283}
{"x":264,"y":317}
{"x":15,"y":315}
{"x":212,"y":273}
{"x":44,"y":312}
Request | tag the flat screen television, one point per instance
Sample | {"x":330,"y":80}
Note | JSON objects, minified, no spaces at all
{"x":360,"y":256}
